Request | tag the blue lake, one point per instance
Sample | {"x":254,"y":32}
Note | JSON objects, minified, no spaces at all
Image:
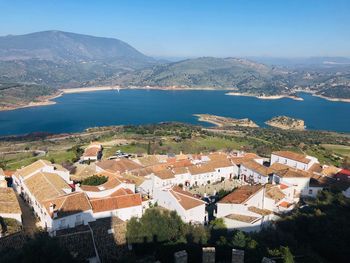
{"x":76,"y":112}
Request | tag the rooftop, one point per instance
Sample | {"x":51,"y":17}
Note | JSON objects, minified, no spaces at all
{"x":256,"y":167}
{"x":243,"y":218}
{"x":118,"y":165}
{"x":115,"y":202}
{"x":293,"y":156}
{"x":185,"y":199}
{"x":36,"y":166}
{"x":241,"y":194}
{"x":68,"y":204}
{"x":8,"y":202}
{"x":45,"y":186}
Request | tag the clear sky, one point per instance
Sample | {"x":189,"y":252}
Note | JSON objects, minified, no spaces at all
{"x":279,"y":28}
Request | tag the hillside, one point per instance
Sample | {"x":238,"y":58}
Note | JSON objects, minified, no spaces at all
{"x":60,"y":58}
{"x":219,"y":73}
{"x":57,"y":59}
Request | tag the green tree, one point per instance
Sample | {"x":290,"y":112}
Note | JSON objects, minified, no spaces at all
{"x":239,"y":239}
{"x":286,"y":255}
{"x":217,"y":223}
{"x":156,"y":226}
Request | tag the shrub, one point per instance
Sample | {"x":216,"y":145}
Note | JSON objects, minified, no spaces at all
{"x":95,"y":180}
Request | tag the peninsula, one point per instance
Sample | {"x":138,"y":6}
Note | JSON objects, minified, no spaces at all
{"x":226,"y":121}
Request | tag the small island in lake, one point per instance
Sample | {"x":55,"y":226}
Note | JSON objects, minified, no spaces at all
{"x":286,"y":123}
{"x":226,"y":121}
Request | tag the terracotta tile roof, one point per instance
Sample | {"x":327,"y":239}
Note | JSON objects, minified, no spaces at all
{"x":91,"y":151}
{"x":118,"y":165}
{"x":36,"y":166}
{"x":112,"y":182}
{"x":180,"y":170}
{"x":263,"y":212}
{"x":115,"y":202}
{"x":148,"y":160}
{"x":285,"y":204}
{"x":328,"y":182}
{"x":330,"y":170}
{"x":274,"y":192}
{"x":142,"y":171}
{"x":200,"y":169}
{"x":185,"y":199}
{"x":8,"y":202}
{"x":283,"y":170}
{"x":243,"y":218}
{"x":8,"y":173}
{"x":294,"y":173}
{"x":256,"y":167}
{"x":240,"y":160}
{"x":220,"y":163}
{"x":84,"y":172}
{"x":293,"y":156}
{"x":45,"y":186}
{"x":316,"y":168}
{"x":283,"y":186}
{"x":68,"y":204}
{"x":241,"y":194}
{"x":165,"y":174}
{"x":122,"y":191}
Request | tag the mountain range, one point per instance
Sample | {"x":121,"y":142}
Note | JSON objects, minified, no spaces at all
{"x":56,"y":59}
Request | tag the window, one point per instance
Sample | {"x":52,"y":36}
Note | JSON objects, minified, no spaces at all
{"x":310,"y":191}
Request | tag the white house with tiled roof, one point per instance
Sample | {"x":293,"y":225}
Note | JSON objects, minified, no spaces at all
{"x":188,"y":207}
{"x":93,"y":152}
{"x":254,"y":172}
{"x":298,"y":179}
{"x":58,"y":206}
{"x":293,"y":160}
{"x":123,"y":204}
{"x":251,"y":207}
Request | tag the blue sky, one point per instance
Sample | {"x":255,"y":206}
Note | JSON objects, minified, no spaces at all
{"x":278,"y":28}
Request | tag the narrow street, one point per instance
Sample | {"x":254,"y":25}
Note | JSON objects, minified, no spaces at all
{"x":28,"y":218}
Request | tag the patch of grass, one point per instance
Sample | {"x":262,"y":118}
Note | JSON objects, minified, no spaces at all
{"x":342,"y":150}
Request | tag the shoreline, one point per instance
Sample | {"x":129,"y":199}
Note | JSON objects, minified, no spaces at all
{"x":331,"y":99}
{"x":45,"y":101}
{"x":272,"y":97}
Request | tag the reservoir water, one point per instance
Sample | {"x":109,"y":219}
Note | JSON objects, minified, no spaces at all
{"x":76,"y":112}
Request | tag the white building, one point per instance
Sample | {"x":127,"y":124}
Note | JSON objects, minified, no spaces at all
{"x":298,"y":179}
{"x":123,"y":204}
{"x":251,"y":207}
{"x":92,"y":153}
{"x":293,"y":160}
{"x":254,"y":172}
{"x":187,"y":206}
{"x":57,"y":206}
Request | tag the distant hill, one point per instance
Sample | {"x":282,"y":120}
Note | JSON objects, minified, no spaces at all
{"x":229,"y":73}
{"x":60,"y":58}
{"x":67,"y":47}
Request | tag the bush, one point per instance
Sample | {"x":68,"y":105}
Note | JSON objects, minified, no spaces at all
{"x":95,"y":180}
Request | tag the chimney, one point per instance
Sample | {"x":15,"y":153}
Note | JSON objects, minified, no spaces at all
{"x":208,"y":255}
{"x":180,"y":257}
{"x":52,"y":210}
